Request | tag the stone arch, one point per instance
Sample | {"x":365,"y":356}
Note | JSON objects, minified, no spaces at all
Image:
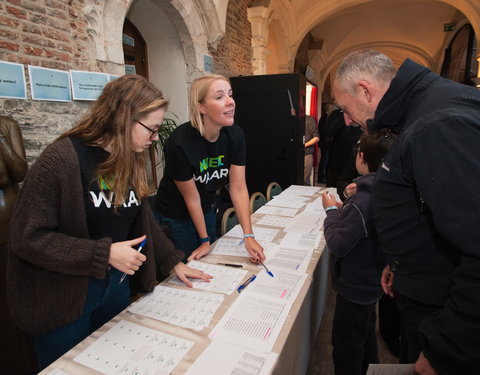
{"x":198,"y":22}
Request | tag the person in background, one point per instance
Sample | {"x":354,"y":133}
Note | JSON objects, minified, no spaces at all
{"x":429,"y":239}
{"x":343,"y":138}
{"x":311,"y":139}
{"x":80,"y":215}
{"x":199,"y":156}
{"x":17,"y":352}
{"x":357,"y":262}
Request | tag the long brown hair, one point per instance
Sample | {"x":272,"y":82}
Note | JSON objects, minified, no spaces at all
{"x":109,"y":122}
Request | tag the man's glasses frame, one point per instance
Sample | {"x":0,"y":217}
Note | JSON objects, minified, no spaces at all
{"x":150,"y":130}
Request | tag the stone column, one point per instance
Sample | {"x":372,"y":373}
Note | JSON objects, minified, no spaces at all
{"x":258,"y":17}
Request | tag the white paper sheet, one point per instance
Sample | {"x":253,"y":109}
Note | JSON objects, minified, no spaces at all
{"x":288,"y":259}
{"x":279,"y":211}
{"x":274,"y":221}
{"x":261,"y":234}
{"x":252,"y":321}
{"x":185,"y":308}
{"x":390,"y":369}
{"x":301,"y":241}
{"x":230,"y":246}
{"x":290,"y":203}
{"x":302,"y":190}
{"x":229,"y":359}
{"x":306,"y":222}
{"x":57,"y":372}
{"x":284,"y":285}
{"x":128,"y":348}
{"x":225,"y":279}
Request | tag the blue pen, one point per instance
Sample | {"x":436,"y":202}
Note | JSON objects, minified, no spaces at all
{"x":244,"y":285}
{"x":266,"y":269}
{"x":140,"y":247}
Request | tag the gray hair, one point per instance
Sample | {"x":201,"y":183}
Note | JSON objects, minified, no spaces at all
{"x":368,"y":65}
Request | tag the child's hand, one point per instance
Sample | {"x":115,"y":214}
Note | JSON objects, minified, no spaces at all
{"x":328,"y":200}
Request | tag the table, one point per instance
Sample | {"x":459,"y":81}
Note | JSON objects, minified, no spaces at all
{"x":294,"y":344}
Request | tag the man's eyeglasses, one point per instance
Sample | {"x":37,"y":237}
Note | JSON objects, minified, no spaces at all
{"x":150,"y":130}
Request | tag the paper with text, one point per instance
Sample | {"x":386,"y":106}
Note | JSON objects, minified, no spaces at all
{"x":185,"y":308}
{"x":230,"y":359}
{"x":252,"y":321}
{"x":279,"y":211}
{"x":128,"y":348}
{"x":225,"y":279}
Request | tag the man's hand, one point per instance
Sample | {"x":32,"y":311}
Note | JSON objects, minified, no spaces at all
{"x":387,"y":281}
{"x":423,"y":367}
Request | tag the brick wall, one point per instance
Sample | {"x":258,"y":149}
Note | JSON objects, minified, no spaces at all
{"x":234,"y":51}
{"x":50,"y":34}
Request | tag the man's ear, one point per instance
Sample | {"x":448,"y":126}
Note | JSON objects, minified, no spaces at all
{"x":366,"y":89}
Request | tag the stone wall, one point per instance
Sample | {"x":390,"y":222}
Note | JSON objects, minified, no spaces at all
{"x":233,"y":56}
{"x":50,"y":34}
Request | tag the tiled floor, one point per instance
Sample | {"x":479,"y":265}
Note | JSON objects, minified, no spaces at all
{"x":321,"y":362}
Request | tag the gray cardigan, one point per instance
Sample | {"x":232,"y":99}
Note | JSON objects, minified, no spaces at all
{"x":51,"y":258}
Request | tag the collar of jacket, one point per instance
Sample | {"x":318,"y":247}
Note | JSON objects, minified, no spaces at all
{"x":410,"y":79}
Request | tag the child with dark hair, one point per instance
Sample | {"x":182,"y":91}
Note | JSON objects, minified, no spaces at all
{"x":357,"y":262}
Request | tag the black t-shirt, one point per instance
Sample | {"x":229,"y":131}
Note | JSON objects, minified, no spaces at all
{"x":102,"y":220}
{"x":189,"y":155}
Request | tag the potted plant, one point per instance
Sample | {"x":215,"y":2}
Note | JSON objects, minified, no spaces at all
{"x":156,"y":150}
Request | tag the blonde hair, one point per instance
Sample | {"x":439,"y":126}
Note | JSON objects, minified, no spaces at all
{"x":109,"y":122}
{"x":198,"y":91}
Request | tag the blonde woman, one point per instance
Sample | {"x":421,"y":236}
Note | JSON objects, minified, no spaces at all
{"x":80,"y":216}
{"x":201,"y":155}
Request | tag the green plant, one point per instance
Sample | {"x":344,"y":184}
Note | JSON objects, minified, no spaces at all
{"x":156,"y":149}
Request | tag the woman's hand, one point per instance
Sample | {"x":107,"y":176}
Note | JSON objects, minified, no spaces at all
{"x":254,"y":249}
{"x":200,"y":251}
{"x":124,"y":257}
{"x":182,"y":271}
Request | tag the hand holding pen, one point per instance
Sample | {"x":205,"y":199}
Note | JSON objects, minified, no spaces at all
{"x":125,"y":256}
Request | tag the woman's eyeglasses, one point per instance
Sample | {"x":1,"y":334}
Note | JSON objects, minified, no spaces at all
{"x":150,"y":130}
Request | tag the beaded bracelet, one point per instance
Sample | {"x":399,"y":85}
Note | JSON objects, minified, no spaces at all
{"x":331,"y":208}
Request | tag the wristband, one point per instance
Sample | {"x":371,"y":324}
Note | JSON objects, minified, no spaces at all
{"x":205,"y":239}
{"x":246,"y":235}
{"x":331,"y":208}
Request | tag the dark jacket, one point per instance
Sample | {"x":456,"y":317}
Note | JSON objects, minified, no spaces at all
{"x":343,"y":139}
{"x":427,"y":205}
{"x":357,"y":262}
{"x":51,"y":257}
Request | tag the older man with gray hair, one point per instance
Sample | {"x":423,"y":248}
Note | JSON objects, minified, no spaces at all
{"x":426,"y":203}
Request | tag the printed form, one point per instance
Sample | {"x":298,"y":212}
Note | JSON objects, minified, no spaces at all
{"x":288,"y":259}
{"x":257,"y":316}
{"x":261,"y":234}
{"x":130,"y":349}
{"x":278,"y":211}
{"x":230,"y":359}
{"x":185,"y":308}
{"x":225,"y":279}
